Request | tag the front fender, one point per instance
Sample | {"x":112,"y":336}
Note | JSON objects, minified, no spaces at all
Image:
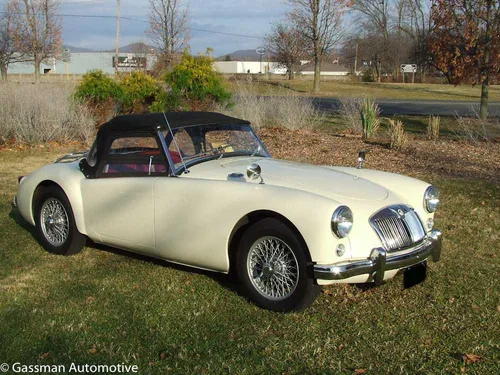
{"x":407,"y":189}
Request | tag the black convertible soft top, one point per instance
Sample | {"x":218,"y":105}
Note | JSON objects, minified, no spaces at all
{"x":151,"y":121}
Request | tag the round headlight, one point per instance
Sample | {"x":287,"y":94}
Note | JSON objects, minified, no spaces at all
{"x":431,"y":199}
{"x":342,"y":221}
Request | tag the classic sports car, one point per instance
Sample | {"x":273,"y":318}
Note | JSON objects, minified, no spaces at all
{"x":200,"y":189}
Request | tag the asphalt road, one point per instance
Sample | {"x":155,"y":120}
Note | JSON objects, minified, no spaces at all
{"x":391,"y":107}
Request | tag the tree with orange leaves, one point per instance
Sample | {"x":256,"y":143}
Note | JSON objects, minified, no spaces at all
{"x":465,"y":42}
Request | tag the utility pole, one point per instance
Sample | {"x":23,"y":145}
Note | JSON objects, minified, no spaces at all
{"x":117,"y":35}
{"x":356,"y":59}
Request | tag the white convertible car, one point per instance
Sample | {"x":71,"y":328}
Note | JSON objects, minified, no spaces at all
{"x":200,"y":189}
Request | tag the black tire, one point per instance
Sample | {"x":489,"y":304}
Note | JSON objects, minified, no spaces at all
{"x":61,"y":236}
{"x":300,"y":290}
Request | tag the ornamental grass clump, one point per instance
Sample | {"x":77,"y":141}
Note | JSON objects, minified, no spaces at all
{"x":398,"y":135}
{"x":433,"y":128}
{"x":370,"y":119}
{"x":349,"y":113}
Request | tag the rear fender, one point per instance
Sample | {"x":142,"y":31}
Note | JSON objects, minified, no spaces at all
{"x":65,"y":175}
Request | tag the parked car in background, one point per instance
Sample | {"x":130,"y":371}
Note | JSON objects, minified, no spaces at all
{"x":200,"y":189}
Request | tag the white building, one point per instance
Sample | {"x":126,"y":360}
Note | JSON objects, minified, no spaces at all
{"x":81,"y":63}
{"x":248,"y":67}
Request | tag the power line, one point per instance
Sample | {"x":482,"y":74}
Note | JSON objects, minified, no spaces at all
{"x":144,"y":21}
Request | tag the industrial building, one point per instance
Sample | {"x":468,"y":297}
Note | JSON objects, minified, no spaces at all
{"x":82,"y":62}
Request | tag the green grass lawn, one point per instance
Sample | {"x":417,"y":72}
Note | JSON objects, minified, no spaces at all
{"x":376,"y":90}
{"x":109,"y":307}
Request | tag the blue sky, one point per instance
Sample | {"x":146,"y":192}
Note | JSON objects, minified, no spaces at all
{"x":247,"y":17}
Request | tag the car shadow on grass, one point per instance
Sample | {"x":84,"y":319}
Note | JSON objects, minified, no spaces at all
{"x":15,"y":215}
{"x":227,"y":281}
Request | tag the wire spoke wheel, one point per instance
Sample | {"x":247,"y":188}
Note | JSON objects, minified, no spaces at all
{"x":272,"y":268}
{"x":54,"y":222}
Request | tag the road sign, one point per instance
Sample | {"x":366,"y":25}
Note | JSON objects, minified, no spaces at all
{"x":66,"y":55}
{"x":261,"y":51}
{"x":409,"y":68}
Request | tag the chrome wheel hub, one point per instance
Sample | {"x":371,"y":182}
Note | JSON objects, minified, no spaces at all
{"x":54,"y":222}
{"x":273,"y":268}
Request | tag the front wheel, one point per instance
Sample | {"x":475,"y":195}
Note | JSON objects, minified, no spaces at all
{"x":55,"y":223}
{"x":273,"y":269}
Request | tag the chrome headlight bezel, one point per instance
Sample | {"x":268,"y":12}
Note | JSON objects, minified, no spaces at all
{"x":431,"y":199}
{"x":342,"y":221}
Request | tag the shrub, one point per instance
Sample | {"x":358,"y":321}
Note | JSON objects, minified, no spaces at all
{"x":433,"y":128}
{"x":397,"y":134}
{"x":368,"y":76}
{"x":472,"y":130}
{"x":279,"y":109}
{"x":370,"y":120}
{"x":139,"y":92}
{"x":97,"y":88}
{"x":349,"y":112}
{"x":35,"y":114}
{"x":195,"y":85}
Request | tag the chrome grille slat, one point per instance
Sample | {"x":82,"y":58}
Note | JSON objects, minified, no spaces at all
{"x":398,"y":227}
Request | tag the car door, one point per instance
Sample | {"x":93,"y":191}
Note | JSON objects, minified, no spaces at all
{"x":119,"y":202}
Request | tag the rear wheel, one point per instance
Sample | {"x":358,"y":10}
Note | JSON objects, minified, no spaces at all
{"x":273,"y":268}
{"x":55,"y":222}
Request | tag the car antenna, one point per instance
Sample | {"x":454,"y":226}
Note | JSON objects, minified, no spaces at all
{"x":176,"y":145}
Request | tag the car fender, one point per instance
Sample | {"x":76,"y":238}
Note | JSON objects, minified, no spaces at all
{"x":194,"y":218}
{"x":407,"y":189}
{"x":67,"y":176}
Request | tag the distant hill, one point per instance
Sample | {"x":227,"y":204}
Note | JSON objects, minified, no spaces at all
{"x":242,"y":55}
{"x":77,"y":49}
{"x":134,"y":48}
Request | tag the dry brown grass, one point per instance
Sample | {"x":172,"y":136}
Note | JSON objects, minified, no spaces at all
{"x":399,"y":138}
{"x":350,"y":114}
{"x":433,"y":128}
{"x":475,"y":130}
{"x":41,"y":113}
{"x":287,"y":109}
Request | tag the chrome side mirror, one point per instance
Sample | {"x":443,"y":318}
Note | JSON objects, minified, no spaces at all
{"x":361,"y":159}
{"x":254,"y":171}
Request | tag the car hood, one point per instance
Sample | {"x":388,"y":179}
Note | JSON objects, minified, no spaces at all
{"x":315,"y":179}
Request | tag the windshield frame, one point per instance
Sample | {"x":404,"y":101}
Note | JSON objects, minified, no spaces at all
{"x":185,"y":164}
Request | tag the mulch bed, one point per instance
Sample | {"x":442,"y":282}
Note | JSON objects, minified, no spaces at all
{"x":421,"y":158}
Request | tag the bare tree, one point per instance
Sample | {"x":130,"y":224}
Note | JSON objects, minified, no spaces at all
{"x":37,"y":30}
{"x":168,"y":26}
{"x":287,"y":45}
{"x":320,"y":22}
{"x":416,"y":22}
{"x":7,"y":51}
{"x":374,"y":17}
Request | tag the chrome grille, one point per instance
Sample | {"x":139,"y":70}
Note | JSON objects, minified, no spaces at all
{"x":398,"y":227}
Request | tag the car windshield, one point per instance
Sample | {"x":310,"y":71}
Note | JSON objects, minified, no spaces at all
{"x":195,"y":144}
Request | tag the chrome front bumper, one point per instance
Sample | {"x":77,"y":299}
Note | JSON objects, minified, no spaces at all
{"x":380,"y":261}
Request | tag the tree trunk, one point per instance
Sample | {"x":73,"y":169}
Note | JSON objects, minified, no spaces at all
{"x":483,"y":110}
{"x":290,"y":73}
{"x":317,"y":73}
{"x":3,"y":68}
{"x":37,"y":69}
